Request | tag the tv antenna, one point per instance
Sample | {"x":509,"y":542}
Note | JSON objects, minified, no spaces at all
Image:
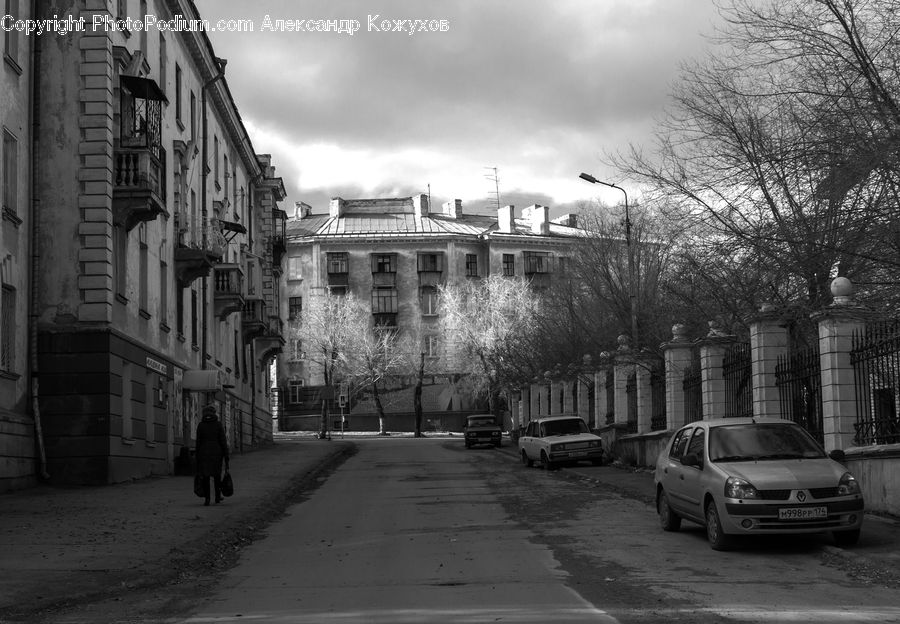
{"x":496,"y":192}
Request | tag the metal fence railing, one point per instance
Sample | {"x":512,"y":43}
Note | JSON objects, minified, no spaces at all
{"x":799,"y":380}
{"x":693,"y":392}
{"x":875,"y":356}
{"x":736,"y":369}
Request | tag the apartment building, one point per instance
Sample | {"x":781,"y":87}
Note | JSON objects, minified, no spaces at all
{"x":393,"y":253}
{"x":158,"y":242}
{"x":17,"y":441}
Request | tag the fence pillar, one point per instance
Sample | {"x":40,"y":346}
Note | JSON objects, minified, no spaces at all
{"x":643,"y":372}
{"x":525,"y":406}
{"x":534,"y":400}
{"x":712,"y":357}
{"x":622,"y":370}
{"x":768,"y":341}
{"x":600,"y":397}
{"x":837,"y":323}
{"x":678,"y":354}
{"x":569,"y":388}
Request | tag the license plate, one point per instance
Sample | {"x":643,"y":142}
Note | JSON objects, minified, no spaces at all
{"x":577,"y":453}
{"x":802,"y":513}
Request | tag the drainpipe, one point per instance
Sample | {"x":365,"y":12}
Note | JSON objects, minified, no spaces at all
{"x":35,"y":253}
{"x":220,"y":65}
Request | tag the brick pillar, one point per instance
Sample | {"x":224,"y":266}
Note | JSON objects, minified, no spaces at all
{"x":525,"y":406}
{"x":837,"y":323}
{"x":712,"y":355}
{"x":600,"y":398}
{"x":768,"y":341}
{"x":678,"y":354}
{"x":569,"y":388}
{"x":534,"y":398}
{"x":644,"y":396}
{"x":621,"y":371}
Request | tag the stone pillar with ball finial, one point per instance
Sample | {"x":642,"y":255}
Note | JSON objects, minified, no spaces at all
{"x":677,"y":354}
{"x":712,"y":357}
{"x":768,"y":342}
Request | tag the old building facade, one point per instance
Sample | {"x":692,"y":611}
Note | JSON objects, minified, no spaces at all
{"x":392,"y":254}
{"x":158,"y":240}
{"x":17,"y":441}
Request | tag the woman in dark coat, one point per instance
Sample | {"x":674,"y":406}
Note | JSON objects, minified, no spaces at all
{"x":211,"y":451}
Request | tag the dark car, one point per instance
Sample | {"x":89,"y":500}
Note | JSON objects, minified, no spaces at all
{"x":482,"y":429}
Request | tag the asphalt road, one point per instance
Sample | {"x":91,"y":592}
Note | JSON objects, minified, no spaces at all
{"x":426,"y":531}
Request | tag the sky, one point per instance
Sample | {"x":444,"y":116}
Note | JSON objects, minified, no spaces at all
{"x":538,"y":90}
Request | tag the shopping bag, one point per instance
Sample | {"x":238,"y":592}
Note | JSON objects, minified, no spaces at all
{"x":198,"y":485}
{"x":227,"y":484}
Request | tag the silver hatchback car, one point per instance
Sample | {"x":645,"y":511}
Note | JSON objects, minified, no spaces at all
{"x":755,"y":476}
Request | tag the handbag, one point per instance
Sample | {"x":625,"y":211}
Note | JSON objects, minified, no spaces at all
{"x":227,"y":484}
{"x":198,"y":485}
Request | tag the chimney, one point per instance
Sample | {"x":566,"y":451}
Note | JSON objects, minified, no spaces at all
{"x":539,"y":222}
{"x":336,"y":207}
{"x":506,"y":219}
{"x":569,"y":220}
{"x":301,"y":210}
{"x":420,"y":205}
{"x":453,"y":209}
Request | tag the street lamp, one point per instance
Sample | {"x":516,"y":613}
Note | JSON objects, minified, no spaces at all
{"x":631,"y":296}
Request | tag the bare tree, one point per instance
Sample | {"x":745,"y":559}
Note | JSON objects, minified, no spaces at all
{"x":782,"y":148}
{"x":485,"y":325}
{"x":377,"y":356}
{"x":332,"y":329}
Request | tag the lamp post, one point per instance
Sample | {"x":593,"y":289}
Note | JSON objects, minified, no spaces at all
{"x":631,"y":295}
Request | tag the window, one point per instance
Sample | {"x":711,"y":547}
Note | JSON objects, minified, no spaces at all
{"x":10,"y":174}
{"x":384,"y":301}
{"x":163,"y":62}
{"x":338,"y":262}
{"x":509,"y":265}
{"x":295,"y":388}
{"x":679,"y":443}
{"x":163,"y":291}
{"x":216,"y":161}
{"x":429,"y":301}
{"x":194,"y":326}
{"x":430,"y":346}
{"x":143,"y":268}
{"x":294,"y":269}
{"x":120,"y":260}
{"x":697,"y":444}
{"x":226,"y":173}
{"x":193,"y":116}
{"x":11,"y":47}
{"x":179,"y":310}
{"x":431,"y":262}
{"x":384,"y":263}
{"x":178,"y":79}
{"x":295,"y":308}
{"x":296,"y":350}
{"x":7,"y":327}
{"x":121,"y":9}
{"x":537,"y":262}
{"x":471,"y":265}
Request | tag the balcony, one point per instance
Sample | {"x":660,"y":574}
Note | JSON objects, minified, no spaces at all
{"x":271,"y":341}
{"x":199,"y":248}
{"x":139,"y":191}
{"x":229,"y":289}
{"x":254,"y":319}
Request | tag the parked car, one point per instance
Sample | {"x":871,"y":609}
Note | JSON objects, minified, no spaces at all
{"x":482,"y":429}
{"x":559,"y":440}
{"x":755,"y":476}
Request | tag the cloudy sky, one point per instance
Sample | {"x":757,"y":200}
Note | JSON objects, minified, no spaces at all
{"x":539,"y":89}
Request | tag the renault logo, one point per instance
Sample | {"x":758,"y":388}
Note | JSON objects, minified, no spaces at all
{"x":801,"y":496}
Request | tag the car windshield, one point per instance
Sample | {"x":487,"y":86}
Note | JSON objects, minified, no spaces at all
{"x":565,"y":427}
{"x":753,"y":442}
{"x":481,"y":421}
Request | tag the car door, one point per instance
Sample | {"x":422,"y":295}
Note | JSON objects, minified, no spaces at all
{"x":673,"y":471}
{"x":692,"y":476}
{"x":526,"y":442}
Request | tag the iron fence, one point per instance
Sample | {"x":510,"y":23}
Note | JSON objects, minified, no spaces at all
{"x":632,"y":401}
{"x":736,"y":369}
{"x":875,"y":356}
{"x":658,"y":400}
{"x":799,"y":381}
{"x":693,"y":392}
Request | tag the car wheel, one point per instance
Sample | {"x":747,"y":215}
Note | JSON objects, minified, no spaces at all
{"x":846,"y":538}
{"x":545,"y":461}
{"x":526,"y":461}
{"x":718,"y":540}
{"x":668,"y":519}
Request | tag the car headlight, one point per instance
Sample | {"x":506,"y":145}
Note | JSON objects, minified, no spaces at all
{"x":557,"y":447}
{"x":739,"y":488}
{"x":848,"y":485}
{"x":593,"y":443}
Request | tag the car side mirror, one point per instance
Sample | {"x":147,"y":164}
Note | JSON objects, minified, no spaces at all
{"x":838,"y":455}
{"x":691,"y":459}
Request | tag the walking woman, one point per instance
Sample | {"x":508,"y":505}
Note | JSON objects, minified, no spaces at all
{"x":211,"y":451}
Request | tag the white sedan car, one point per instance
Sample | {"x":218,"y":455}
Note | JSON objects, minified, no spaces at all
{"x":558,"y":440}
{"x":755,"y":476}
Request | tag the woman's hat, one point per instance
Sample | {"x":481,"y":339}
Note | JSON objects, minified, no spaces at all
{"x":210,"y":410}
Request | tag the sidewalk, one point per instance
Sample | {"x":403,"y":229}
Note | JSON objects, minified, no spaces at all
{"x":71,"y":545}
